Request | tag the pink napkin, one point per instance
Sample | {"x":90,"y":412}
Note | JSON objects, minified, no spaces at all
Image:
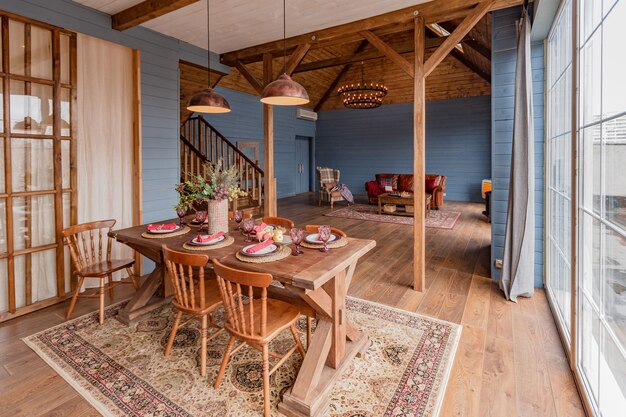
{"x":260,"y":227}
{"x":260,"y":246}
{"x":205,"y":239}
{"x":157,"y":227}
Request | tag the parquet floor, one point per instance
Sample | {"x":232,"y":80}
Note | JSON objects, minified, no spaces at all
{"x":510,"y":361}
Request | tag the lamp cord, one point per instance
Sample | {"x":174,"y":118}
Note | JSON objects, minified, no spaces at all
{"x":284,"y":37}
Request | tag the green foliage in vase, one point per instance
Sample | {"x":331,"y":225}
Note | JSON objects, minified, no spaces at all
{"x":219,"y":184}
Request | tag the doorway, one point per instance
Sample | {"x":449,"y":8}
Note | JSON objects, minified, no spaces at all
{"x":303,"y":164}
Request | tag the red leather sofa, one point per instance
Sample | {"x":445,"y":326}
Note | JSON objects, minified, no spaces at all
{"x":435,"y":185}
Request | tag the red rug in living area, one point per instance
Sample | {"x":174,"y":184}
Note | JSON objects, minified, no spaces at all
{"x":439,"y":219}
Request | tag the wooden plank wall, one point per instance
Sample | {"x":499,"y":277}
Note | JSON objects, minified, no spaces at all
{"x":362,"y":143}
{"x":503,"y":84}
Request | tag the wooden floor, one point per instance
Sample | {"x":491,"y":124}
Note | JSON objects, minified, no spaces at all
{"x":509,"y":362}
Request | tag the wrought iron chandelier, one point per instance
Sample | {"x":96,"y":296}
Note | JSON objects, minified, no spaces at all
{"x":362,"y":95}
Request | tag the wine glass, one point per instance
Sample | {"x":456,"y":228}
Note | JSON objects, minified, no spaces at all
{"x":181,"y":212}
{"x":238,"y":217}
{"x":201,"y":216}
{"x":248,"y":225}
{"x":296,"y":237}
{"x":324,"y":235}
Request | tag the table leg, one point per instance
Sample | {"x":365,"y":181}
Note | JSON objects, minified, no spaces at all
{"x":147,"y":298}
{"x":334,"y":344}
{"x":380,"y":209}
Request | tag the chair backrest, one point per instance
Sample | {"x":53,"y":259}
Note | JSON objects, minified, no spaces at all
{"x":313,"y":228}
{"x":240,"y":316}
{"x":327,"y":175}
{"x":279,"y":221}
{"x":89,"y":243}
{"x":182,"y":268}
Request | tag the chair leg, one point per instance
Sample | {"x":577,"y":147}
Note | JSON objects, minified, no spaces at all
{"x":203,"y":346}
{"x":225,"y":360}
{"x":110,"y":276}
{"x":79,"y":284}
{"x":266,"y":381}
{"x":296,"y":338}
{"x":170,"y":342}
{"x":101,"y":292}
{"x":133,"y":278}
{"x":309,"y":326}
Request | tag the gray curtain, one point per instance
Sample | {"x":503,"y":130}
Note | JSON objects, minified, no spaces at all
{"x":519,"y":240}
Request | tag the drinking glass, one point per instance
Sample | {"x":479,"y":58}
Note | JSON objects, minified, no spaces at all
{"x":181,"y":212}
{"x":324,"y":235}
{"x":248,"y":225}
{"x":238,"y":217}
{"x":296,"y":237}
{"x":200,"y":218}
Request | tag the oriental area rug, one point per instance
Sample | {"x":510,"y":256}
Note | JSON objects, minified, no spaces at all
{"x":440,"y":219}
{"x":121,"y":370}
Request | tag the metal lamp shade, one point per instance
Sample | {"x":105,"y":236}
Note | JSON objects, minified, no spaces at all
{"x":284,"y":91}
{"x":208,"y":101}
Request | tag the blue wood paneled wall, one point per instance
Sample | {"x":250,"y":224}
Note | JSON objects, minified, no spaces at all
{"x":504,"y":49}
{"x":245,"y":123}
{"x":159,"y":89}
{"x":362,"y":143}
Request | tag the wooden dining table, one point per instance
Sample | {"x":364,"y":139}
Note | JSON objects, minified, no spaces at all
{"x":316,"y":280}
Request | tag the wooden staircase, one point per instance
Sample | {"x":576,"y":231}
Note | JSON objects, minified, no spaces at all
{"x":201,"y":143}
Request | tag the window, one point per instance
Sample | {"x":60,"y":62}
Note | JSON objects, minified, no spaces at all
{"x":37,"y":148}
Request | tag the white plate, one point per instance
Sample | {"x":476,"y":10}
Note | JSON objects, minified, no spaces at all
{"x":160,"y":232}
{"x":209,"y":243}
{"x":315,"y":238}
{"x":265,"y":251}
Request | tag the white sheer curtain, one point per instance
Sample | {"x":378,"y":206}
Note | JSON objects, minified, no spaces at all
{"x":105,"y":134}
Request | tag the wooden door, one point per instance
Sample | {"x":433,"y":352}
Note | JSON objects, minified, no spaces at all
{"x":303,"y":164}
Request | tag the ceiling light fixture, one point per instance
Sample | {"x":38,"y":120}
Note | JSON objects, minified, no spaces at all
{"x":208,"y":100}
{"x":284,"y":91}
{"x":362,"y":95}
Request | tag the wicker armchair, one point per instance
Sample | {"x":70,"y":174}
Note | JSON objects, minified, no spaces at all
{"x":327,"y":179}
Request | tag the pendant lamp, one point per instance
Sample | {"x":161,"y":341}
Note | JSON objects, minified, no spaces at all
{"x":208,"y":100}
{"x":284,"y":91}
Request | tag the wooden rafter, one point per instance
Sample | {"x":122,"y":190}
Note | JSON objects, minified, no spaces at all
{"x":329,"y":91}
{"x":256,"y":84}
{"x":399,"y":20}
{"x":144,"y":11}
{"x":470,"y":41}
{"x":388,"y":51}
{"x":297,"y":57}
{"x":455,"y":37}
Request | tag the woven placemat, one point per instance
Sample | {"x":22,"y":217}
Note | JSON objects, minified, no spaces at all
{"x":282,"y":253}
{"x":147,"y":235}
{"x":226,"y":242}
{"x":343,"y":241}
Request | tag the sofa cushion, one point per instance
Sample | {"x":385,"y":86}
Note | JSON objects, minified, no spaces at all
{"x":385,"y":177}
{"x":435,"y":177}
{"x":405,"y":183}
{"x":430,"y":185}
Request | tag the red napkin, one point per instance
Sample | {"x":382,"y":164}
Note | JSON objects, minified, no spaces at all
{"x":260,"y":246}
{"x":260,"y":227}
{"x":205,"y":239}
{"x":157,"y":227}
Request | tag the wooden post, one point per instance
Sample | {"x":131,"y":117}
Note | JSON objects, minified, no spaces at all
{"x":419,"y":151}
{"x":268,"y":148}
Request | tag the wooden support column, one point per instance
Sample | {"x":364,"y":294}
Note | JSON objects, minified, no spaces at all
{"x":419,"y":153}
{"x":268,"y":144}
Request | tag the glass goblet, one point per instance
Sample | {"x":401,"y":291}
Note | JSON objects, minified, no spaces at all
{"x":248,"y":225}
{"x":181,"y":213}
{"x":201,"y":218}
{"x":296,"y":237}
{"x":324,"y":236}
{"x":238,"y":217}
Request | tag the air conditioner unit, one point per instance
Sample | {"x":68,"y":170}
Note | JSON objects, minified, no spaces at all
{"x":306,"y":114}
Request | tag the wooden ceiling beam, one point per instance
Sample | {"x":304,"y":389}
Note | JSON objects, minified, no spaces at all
{"x":297,"y":57}
{"x":432,"y":12}
{"x":144,"y":11}
{"x":389,"y":52}
{"x":329,"y":91}
{"x":256,"y":84}
{"x":470,"y":41}
{"x":455,"y":37}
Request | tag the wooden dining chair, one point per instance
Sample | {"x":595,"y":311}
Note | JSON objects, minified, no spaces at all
{"x":255,"y":321}
{"x":198,"y":300}
{"x":90,"y":251}
{"x":313,"y":228}
{"x":279,"y":221}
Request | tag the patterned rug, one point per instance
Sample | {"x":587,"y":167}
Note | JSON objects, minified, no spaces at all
{"x":440,"y":219}
{"x":121,"y":370}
